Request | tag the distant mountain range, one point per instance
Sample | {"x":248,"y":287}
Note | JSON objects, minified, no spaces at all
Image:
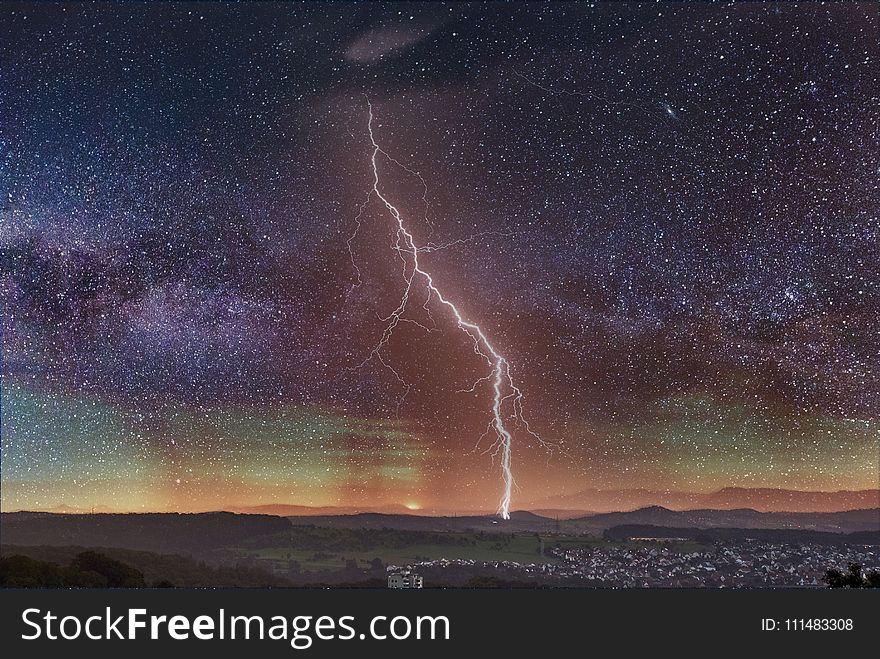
{"x":729,"y":498}
{"x":593,"y":501}
{"x":590,"y":501}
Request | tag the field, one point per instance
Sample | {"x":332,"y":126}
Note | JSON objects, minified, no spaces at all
{"x":321,"y":549}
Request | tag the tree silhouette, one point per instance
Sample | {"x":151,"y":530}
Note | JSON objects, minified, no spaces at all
{"x":852,"y":578}
{"x":117,"y":574}
{"x":834,"y":578}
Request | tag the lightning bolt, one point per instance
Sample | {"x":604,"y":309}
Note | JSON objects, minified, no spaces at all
{"x":507,"y":398}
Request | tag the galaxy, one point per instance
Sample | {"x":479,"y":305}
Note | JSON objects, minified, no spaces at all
{"x":665,"y":217}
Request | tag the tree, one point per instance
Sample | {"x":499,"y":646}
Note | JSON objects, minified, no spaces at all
{"x":852,"y":578}
{"x":24,"y":572}
{"x":834,"y":578}
{"x":117,"y":574}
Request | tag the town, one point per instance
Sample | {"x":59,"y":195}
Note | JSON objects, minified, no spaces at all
{"x":726,"y":565}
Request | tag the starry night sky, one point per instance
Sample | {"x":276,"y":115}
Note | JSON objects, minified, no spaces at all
{"x":665,"y":216}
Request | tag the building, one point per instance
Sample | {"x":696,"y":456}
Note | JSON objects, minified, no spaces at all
{"x":404,"y":579}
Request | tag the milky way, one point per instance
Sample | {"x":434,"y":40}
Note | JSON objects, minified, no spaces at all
{"x":665,"y":216}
